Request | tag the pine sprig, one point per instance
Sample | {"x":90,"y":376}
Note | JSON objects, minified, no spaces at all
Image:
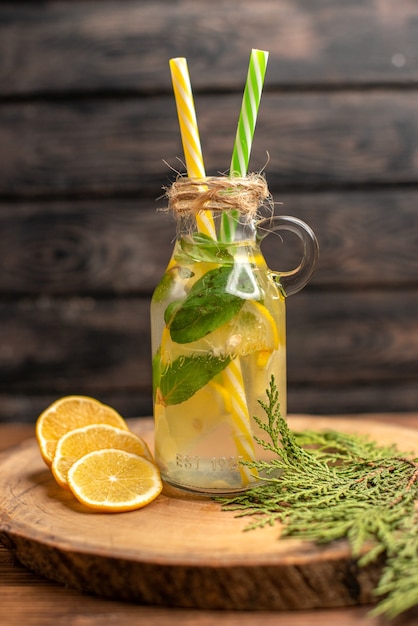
{"x":324,"y":486}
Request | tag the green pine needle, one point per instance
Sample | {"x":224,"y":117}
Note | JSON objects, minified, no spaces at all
{"x":324,"y":486}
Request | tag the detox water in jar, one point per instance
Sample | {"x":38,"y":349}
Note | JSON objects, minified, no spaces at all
{"x":218,"y":335}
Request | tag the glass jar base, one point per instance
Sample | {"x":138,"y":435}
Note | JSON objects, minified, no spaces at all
{"x":174,"y":489}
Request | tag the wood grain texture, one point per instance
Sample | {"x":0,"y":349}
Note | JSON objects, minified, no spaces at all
{"x":87,"y":116}
{"x":79,"y":339}
{"x":34,"y":600}
{"x":102,"y":247}
{"x":381,"y":327}
{"x":121,"y":247}
{"x":38,"y":602}
{"x":117,"y":146}
{"x":337,"y":342}
{"x":188,"y":553}
{"x":397,"y":396}
{"x":125,"y":45}
{"x":12,"y":435}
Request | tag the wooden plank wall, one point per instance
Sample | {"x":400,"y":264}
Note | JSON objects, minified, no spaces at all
{"x":88,"y":133}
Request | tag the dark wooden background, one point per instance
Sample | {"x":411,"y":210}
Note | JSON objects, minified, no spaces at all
{"x":87,"y":119}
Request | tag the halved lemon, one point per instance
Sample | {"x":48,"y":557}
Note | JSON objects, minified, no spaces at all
{"x":79,"y":442}
{"x":68,"y":413}
{"x":114,"y":480}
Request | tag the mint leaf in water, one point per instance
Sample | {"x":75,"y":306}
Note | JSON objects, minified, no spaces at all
{"x":207,"y":306}
{"x":170,"y":310}
{"x":180,"y":380}
{"x":201,"y":247}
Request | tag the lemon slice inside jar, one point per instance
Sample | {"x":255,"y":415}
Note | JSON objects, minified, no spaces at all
{"x":252,"y":329}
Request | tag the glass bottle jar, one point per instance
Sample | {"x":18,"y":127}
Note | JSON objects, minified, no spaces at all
{"x":218,"y":332}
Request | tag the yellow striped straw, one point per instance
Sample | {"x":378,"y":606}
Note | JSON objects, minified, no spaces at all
{"x":244,"y":442}
{"x":190,"y":134}
{"x":232,"y":375}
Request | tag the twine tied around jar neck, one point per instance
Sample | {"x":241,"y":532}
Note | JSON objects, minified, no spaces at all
{"x":190,"y":196}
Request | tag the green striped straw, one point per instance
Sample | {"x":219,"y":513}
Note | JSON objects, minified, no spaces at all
{"x":245,"y":130}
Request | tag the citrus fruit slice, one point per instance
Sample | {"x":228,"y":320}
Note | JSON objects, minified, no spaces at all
{"x":252,"y":329}
{"x":76,"y":443}
{"x":114,"y":480}
{"x":68,"y":413}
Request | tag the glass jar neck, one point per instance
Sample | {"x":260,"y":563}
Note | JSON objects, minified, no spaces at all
{"x":225,"y":227}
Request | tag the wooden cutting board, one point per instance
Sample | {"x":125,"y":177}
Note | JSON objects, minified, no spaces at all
{"x":178,"y":551}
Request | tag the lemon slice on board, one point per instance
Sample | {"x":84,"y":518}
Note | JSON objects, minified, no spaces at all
{"x":112,"y":480}
{"x":68,"y":413}
{"x":79,"y":442}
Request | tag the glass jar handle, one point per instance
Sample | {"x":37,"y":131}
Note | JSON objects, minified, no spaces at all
{"x":293,"y":280}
